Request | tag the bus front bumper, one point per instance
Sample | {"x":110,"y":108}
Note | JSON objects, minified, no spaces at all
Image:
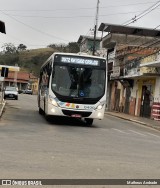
{"x":94,"y":114}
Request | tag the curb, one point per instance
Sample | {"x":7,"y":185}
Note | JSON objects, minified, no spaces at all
{"x":128,"y":119}
{"x":1,"y":110}
{"x":133,"y":120}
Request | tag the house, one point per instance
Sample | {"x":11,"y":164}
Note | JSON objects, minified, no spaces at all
{"x":23,"y":80}
{"x":20,"y":79}
{"x":86,"y":44}
{"x":154,"y":64}
{"x":33,"y":83}
{"x":128,"y":48}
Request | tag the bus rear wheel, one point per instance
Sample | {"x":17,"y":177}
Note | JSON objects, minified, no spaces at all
{"x":89,"y":121}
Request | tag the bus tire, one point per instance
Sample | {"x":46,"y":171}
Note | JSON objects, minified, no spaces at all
{"x":47,"y":117}
{"x":89,"y":121}
{"x":40,"y":111}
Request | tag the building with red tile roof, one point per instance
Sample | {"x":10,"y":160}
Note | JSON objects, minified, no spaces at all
{"x":21,"y":79}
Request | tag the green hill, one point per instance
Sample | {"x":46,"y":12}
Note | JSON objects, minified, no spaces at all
{"x":29,"y":60}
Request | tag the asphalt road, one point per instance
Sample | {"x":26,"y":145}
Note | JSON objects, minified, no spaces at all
{"x":31,"y":147}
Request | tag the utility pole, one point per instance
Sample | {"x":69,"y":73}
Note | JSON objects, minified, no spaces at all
{"x":15,"y":76}
{"x":95,"y":28}
{"x":4,"y":73}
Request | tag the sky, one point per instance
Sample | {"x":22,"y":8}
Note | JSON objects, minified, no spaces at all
{"x":38,"y":23}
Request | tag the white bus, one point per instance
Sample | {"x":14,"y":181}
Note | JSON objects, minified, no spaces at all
{"x":73,"y":85}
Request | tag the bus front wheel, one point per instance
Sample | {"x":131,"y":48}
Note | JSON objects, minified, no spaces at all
{"x":47,"y":117}
{"x":41,"y":111}
{"x":89,"y":121}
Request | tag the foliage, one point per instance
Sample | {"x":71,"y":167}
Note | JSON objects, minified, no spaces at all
{"x":32,"y":60}
{"x":58,"y":47}
{"x":21,"y":47}
{"x":29,"y":60}
{"x":9,"y":48}
{"x":71,"y":47}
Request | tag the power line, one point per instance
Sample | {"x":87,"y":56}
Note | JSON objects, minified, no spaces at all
{"x":140,"y":38}
{"x":74,"y":9}
{"x":157,"y":42}
{"x":11,"y":36}
{"x":145,"y":12}
{"x":139,"y":16}
{"x":83,"y":16}
{"x":47,"y":34}
{"x":114,"y":14}
{"x":133,"y":4}
{"x":124,"y":64}
{"x":18,"y":39}
{"x":157,"y":26}
{"x":74,"y":17}
{"x":143,"y":46}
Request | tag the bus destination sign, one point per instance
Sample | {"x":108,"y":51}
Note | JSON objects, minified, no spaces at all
{"x":82,"y":61}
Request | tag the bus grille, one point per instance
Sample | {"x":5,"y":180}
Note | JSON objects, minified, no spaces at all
{"x":70,"y":113}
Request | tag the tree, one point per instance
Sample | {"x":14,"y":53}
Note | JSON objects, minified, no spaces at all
{"x":73,"y":47}
{"x":21,"y":47}
{"x":52,"y":46}
{"x":59,"y":47}
{"x":9,"y":48}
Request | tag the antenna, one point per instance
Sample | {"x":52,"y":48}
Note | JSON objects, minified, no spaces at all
{"x":95,"y":28}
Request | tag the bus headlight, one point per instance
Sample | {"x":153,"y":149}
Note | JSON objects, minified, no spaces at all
{"x":99,"y":107}
{"x":53,"y":102}
{"x":99,"y":114}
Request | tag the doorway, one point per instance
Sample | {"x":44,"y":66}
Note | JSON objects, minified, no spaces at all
{"x":145,"y":101}
{"x":127,"y":100}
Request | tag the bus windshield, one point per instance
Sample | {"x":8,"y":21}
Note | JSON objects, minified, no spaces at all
{"x":78,"y":81}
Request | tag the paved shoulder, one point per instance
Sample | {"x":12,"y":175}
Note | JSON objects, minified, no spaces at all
{"x":2,"y":105}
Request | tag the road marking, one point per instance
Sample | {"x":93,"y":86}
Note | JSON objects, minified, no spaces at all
{"x":137,"y":133}
{"x":119,"y":131}
{"x":153,"y":135}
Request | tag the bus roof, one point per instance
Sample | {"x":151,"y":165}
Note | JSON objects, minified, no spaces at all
{"x":79,"y":54}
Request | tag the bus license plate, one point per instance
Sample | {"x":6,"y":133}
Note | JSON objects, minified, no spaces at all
{"x":76,"y":115}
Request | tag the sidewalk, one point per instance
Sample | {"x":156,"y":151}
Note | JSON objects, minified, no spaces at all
{"x":141,"y":120}
{"x":2,"y":105}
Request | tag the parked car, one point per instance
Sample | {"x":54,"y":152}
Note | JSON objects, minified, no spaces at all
{"x":11,"y":92}
{"x":20,"y":91}
{"x":28,"y":91}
